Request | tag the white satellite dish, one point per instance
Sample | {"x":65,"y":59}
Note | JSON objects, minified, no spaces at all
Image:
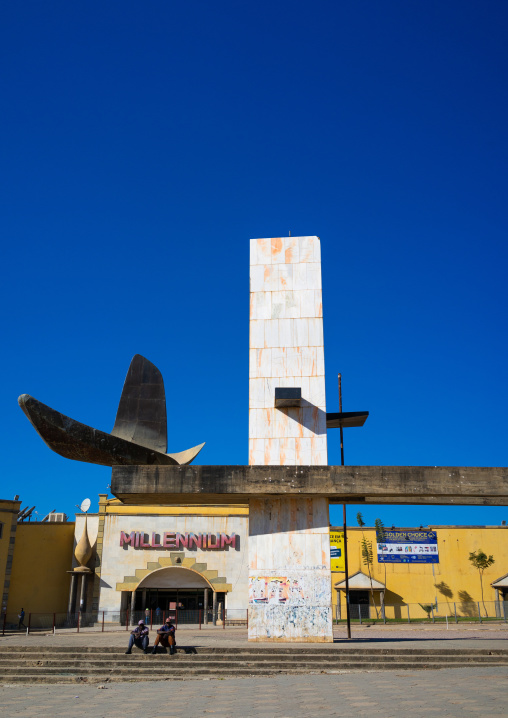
{"x":85,"y":505}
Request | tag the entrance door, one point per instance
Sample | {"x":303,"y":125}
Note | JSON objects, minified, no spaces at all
{"x":362,"y":607}
{"x":166,"y":602}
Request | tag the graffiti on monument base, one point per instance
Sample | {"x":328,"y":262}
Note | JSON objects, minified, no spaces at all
{"x":290,"y":604}
{"x":275,"y":590}
{"x":289,"y":622}
{"x":294,"y":588}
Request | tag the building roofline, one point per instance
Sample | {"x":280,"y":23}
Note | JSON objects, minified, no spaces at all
{"x":423,"y":528}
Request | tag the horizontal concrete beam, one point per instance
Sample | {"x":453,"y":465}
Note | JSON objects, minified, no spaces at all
{"x":341,"y":484}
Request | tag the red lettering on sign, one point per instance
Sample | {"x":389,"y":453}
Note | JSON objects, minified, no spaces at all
{"x":169,"y":539}
{"x":176,"y":540}
{"x":212,"y":545}
{"x":196,"y":539}
{"x":182,"y":541}
{"x":154,"y":543}
{"x":127,"y":538}
{"x":142,"y":543}
{"x":226,"y":540}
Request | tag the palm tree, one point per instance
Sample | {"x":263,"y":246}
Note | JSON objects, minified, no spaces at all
{"x":368,"y":557}
{"x":481,"y":561}
{"x":381,"y":538}
{"x":428,"y":608}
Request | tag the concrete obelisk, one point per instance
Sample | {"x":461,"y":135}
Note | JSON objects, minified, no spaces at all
{"x":289,"y":546}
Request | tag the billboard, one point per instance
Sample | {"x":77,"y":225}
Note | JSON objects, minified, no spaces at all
{"x":399,"y":546}
{"x":337,"y":550}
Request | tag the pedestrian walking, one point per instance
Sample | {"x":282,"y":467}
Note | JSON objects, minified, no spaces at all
{"x":21,"y":616}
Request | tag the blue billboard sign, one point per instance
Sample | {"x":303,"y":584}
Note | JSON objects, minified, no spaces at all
{"x":400,"y":546}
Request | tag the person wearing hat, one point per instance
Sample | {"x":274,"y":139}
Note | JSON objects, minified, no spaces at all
{"x":166,"y":637}
{"x":139,"y":638}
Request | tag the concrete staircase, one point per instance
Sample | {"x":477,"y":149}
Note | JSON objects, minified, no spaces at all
{"x":33,"y":664}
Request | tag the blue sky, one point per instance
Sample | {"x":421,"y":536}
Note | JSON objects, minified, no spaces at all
{"x":144,"y":144}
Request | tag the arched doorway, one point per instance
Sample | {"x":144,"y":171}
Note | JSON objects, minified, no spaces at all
{"x":154,"y":582}
{"x":179,"y":593}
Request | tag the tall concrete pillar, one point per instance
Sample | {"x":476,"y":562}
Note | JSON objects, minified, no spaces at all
{"x":82,"y":596}
{"x":205,"y":607}
{"x":71,"y":608}
{"x":133,"y":604}
{"x":289,"y":546}
{"x":214,"y":608}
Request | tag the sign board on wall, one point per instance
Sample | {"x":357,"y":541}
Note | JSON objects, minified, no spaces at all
{"x":337,"y":551}
{"x":401,"y":546}
{"x":176,"y":540}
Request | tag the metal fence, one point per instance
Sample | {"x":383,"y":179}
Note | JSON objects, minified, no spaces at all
{"x":442,"y":612}
{"x":103,"y":621}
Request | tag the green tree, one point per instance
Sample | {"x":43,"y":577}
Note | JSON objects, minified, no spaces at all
{"x":427,"y":607}
{"x":381,"y":538}
{"x":481,"y":561}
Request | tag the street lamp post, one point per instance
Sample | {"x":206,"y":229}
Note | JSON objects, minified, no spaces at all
{"x":344,"y":518}
{"x":341,"y":420}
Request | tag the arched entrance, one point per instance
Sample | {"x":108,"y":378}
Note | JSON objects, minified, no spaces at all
{"x":168,"y":589}
{"x":186,"y":590}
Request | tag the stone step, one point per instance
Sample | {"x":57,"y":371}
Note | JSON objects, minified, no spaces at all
{"x":199,"y":659}
{"x":33,"y":664}
{"x":99,"y":675}
{"x":147,"y":662}
{"x":275,"y":650}
{"x":49,"y":664}
{"x":207,"y":668}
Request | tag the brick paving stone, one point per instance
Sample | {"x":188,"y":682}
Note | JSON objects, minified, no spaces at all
{"x":389,"y":636}
{"x":449,"y":692}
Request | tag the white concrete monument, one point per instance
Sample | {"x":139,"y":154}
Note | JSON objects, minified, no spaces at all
{"x":289,"y":546}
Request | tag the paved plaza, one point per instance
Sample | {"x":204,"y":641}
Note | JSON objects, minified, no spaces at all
{"x":475,"y":691}
{"x":420,"y":636}
{"x":384,"y":694}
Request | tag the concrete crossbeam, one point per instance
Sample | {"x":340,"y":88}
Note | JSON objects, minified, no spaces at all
{"x":340,"y":484}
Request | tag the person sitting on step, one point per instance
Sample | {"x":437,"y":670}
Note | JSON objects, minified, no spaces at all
{"x":139,"y":638}
{"x":166,"y":637}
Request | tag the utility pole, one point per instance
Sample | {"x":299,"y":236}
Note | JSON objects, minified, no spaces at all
{"x":343,"y":420}
{"x":348,"y":616}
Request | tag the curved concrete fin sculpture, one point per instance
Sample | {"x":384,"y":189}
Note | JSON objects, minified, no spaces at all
{"x":139,"y":435}
{"x":141,"y":415}
{"x":185,"y":457}
{"x":80,"y":442}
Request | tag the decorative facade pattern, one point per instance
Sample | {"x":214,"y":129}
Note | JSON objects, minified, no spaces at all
{"x":177,"y":560}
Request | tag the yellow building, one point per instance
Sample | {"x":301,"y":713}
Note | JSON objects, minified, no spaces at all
{"x":449,"y":585}
{"x":42,"y":559}
{"x":8,"y":523}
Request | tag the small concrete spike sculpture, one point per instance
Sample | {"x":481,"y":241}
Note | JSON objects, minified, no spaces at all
{"x":139,"y":435}
{"x":83,"y":551}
